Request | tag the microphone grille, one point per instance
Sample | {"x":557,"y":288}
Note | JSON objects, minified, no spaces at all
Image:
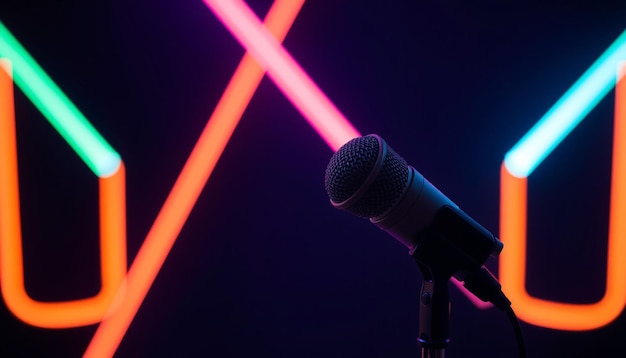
{"x":349,"y":169}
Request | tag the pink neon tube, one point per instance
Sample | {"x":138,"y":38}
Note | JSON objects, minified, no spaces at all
{"x":289,"y":77}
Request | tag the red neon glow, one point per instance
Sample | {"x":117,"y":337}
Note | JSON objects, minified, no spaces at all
{"x":513,"y":221}
{"x":187,"y":188}
{"x":289,"y":77}
{"x":112,"y":236}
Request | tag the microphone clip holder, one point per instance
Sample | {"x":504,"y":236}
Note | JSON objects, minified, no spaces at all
{"x":450,"y":246}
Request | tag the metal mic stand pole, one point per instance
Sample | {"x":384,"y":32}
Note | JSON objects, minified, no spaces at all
{"x":433,"y":258}
{"x":434,"y":319}
{"x":452,"y":245}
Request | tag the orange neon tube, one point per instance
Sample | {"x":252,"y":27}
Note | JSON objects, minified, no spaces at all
{"x":513,"y":223}
{"x":112,"y":232}
{"x":188,"y":186}
{"x":285,"y":72}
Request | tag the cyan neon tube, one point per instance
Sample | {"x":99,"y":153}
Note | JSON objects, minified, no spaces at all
{"x":567,"y":112}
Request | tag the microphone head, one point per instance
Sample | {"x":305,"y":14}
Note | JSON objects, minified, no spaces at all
{"x":366,"y":177}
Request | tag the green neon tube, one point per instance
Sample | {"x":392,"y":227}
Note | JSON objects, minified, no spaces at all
{"x":58,"y":109}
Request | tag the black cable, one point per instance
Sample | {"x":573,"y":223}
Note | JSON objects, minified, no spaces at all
{"x":521,"y":346}
{"x":486,"y":287}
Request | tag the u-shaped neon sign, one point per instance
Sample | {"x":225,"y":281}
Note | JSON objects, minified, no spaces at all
{"x":607,"y":72}
{"x":104,"y":162}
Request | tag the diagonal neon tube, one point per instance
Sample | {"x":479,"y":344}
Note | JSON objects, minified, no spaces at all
{"x":289,"y":77}
{"x":188,"y":186}
{"x":58,"y":109}
{"x":567,"y":112}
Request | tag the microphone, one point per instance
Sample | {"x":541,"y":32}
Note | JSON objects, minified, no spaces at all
{"x":369,"y":179}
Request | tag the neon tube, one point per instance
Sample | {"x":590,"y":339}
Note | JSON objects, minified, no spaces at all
{"x":187,"y":188}
{"x":567,"y":112}
{"x":58,"y":109}
{"x":289,"y":77}
{"x":112,"y":229}
{"x":513,"y":225}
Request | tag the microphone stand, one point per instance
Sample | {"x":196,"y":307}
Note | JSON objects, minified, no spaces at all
{"x":434,"y":319}
{"x":434,"y":312}
{"x":450,"y":246}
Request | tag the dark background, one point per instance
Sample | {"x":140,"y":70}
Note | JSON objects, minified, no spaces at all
{"x":265,"y":266}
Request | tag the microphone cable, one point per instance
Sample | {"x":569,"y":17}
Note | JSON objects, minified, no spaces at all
{"x":519,"y":336}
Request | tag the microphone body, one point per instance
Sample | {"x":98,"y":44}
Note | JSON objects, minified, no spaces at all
{"x":414,"y":211}
{"x":369,"y":179}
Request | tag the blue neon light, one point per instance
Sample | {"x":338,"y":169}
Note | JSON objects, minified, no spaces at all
{"x":567,"y":112}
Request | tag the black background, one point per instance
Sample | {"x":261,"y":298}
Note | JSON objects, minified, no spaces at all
{"x":264,"y":265}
